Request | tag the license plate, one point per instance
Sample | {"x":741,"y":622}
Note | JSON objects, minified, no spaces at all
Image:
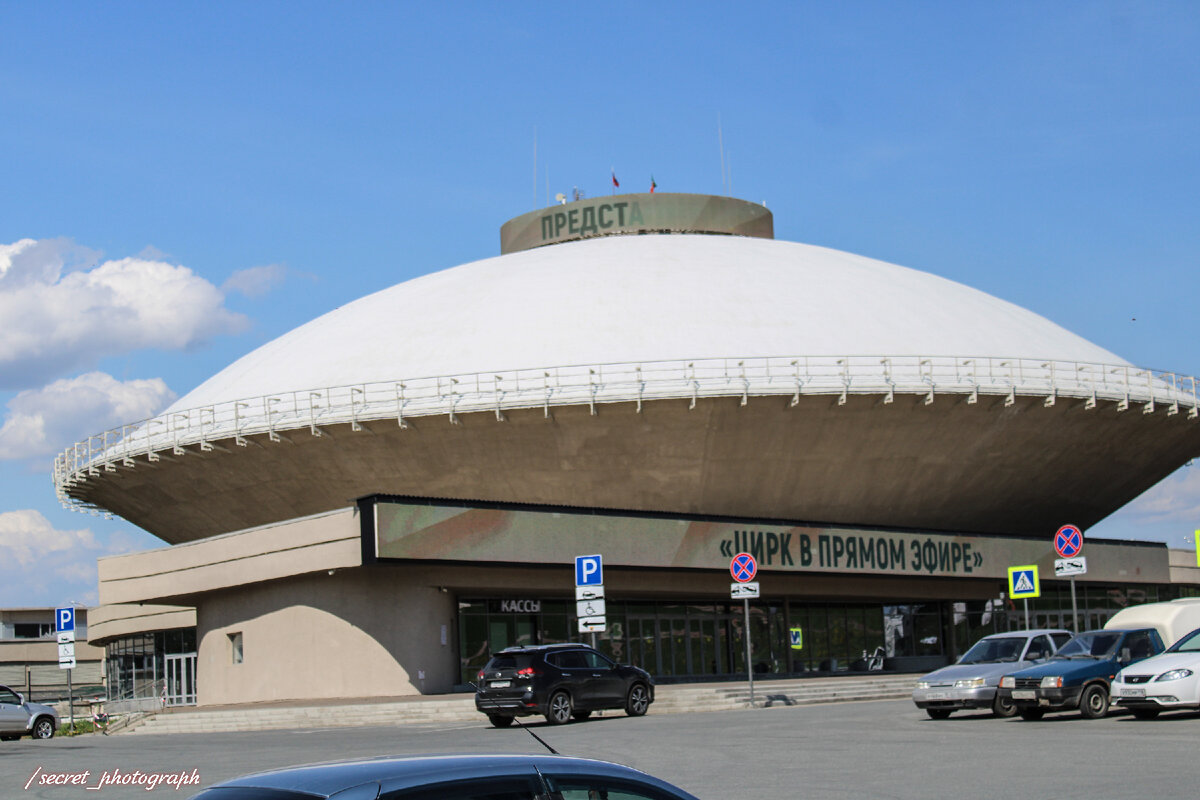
{"x":1024,"y":694}
{"x":1128,"y":692}
{"x":937,"y":695}
{"x":500,"y":684}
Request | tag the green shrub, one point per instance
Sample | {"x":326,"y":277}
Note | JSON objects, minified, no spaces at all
{"x":81,"y":726}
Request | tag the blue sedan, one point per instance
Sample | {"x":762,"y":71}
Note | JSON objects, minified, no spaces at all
{"x":460,"y":777}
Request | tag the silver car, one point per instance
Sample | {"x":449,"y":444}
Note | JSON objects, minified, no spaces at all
{"x":971,"y":682}
{"x":18,"y":718}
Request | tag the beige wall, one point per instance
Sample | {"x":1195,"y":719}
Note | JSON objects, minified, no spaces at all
{"x":320,"y":542}
{"x":356,"y":633}
{"x":1184,"y":567}
{"x":114,"y":621}
{"x":372,"y":631}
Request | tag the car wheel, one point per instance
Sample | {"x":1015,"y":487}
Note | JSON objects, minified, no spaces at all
{"x":580,"y":716}
{"x":1003,"y":708}
{"x":938,"y":713}
{"x":558,"y":710}
{"x":1031,"y":714}
{"x":499,"y":720}
{"x":1093,"y":704}
{"x":1145,"y":713}
{"x":43,"y":728}
{"x":638,"y":700}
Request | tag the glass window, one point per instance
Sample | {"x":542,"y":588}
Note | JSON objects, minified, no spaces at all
{"x":572,"y":659}
{"x":1039,"y":648}
{"x":1188,"y":644}
{"x":9,"y":696}
{"x":581,"y":788}
{"x":1060,"y":639}
{"x":32,"y":630}
{"x":486,"y":789}
{"x":596,"y":661}
{"x":235,"y":647}
{"x":1139,"y":646}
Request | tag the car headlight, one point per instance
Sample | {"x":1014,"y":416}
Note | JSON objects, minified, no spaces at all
{"x":971,"y":683}
{"x":1174,"y":675}
{"x":1052,"y":682}
{"x":1008,"y":682}
{"x":922,"y":684}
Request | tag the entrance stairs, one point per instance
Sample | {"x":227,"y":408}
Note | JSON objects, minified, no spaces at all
{"x":669,"y":699}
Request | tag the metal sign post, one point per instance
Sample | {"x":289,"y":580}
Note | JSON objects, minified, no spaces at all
{"x":1074,"y":607}
{"x":64,"y":627}
{"x":743,"y":569}
{"x":1068,"y":543}
{"x":749,"y":666}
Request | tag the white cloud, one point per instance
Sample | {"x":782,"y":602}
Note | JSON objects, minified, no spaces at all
{"x":1175,"y":499}
{"x":61,"y":312}
{"x":26,"y":536}
{"x":41,"y":565}
{"x":31,"y":261}
{"x":43,"y":421}
{"x":256,"y":281}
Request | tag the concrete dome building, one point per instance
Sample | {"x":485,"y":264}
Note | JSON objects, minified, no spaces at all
{"x":677,"y":362}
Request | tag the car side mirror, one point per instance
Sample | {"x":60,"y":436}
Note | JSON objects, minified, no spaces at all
{"x":1126,"y":655}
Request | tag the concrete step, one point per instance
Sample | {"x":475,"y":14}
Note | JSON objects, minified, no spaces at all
{"x":669,"y":699}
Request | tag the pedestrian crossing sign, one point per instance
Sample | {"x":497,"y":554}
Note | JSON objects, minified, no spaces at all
{"x":1023,"y":582}
{"x":797,"y":635}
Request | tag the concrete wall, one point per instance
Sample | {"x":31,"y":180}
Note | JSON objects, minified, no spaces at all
{"x":1184,"y":568}
{"x":372,"y":632}
{"x":948,"y":466}
{"x":355,"y":633}
{"x":321,"y":542}
{"x":114,"y":621}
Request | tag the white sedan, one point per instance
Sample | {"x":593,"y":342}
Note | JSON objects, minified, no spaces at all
{"x":1167,"y":681}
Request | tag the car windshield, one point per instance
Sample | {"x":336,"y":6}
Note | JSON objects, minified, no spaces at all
{"x":1188,"y":644}
{"x":990,"y":651}
{"x":1095,"y":644}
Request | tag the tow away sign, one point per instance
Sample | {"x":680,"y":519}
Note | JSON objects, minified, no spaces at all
{"x":1065,"y":567}
{"x":737,"y":591}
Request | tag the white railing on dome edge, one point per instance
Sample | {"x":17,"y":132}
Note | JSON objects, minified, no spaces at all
{"x":620,"y":382}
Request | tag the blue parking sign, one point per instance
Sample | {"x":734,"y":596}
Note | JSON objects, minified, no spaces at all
{"x":64,"y":620}
{"x":589,"y":571}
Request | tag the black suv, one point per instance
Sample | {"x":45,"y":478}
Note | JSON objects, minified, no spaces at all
{"x":561,"y":681}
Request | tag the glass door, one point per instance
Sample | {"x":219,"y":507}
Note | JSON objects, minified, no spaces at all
{"x":181,"y":680}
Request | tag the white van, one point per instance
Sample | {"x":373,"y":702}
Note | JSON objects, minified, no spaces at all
{"x":1173,"y":619}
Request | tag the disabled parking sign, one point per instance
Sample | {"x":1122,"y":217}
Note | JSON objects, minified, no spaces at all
{"x":1023,"y":582}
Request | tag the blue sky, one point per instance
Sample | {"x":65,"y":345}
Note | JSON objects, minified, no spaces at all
{"x":186,"y":181}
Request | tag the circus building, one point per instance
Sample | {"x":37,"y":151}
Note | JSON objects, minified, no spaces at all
{"x":369,"y":504}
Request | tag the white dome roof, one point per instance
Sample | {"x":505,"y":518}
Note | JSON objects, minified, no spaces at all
{"x":639,"y":299}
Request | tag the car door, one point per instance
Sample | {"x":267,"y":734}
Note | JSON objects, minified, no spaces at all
{"x":605,"y":681}
{"x":13,"y":716}
{"x":1040,"y":648}
{"x":575,"y":677}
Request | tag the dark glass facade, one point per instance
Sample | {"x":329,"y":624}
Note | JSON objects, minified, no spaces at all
{"x":704,"y":639}
{"x":136,"y":665}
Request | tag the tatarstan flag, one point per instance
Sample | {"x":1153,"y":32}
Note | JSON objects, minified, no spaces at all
{"x":652,"y":184}
{"x":616,"y":182}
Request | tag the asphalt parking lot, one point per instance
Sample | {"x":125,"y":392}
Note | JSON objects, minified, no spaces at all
{"x":882,"y":749}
